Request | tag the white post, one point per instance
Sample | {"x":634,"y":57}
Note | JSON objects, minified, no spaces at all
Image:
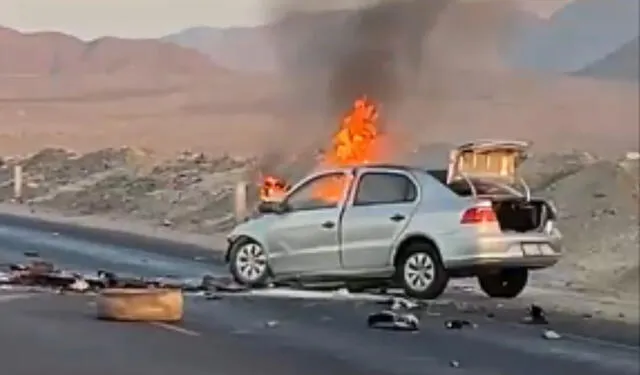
{"x":17,"y":182}
{"x":240,"y":204}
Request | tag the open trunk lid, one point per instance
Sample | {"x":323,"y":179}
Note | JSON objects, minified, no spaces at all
{"x":488,"y":159}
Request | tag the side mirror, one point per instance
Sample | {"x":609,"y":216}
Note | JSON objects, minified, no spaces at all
{"x":272,"y":207}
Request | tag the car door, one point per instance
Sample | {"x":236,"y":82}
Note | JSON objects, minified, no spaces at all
{"x":379,"y":210}
{"x":305,"y":238}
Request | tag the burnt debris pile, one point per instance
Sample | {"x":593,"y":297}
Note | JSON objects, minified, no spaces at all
{"x":39,"y":273}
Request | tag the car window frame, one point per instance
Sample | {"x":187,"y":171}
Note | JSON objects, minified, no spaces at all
{"x":407,"y":176}
{"x":311,"y":180}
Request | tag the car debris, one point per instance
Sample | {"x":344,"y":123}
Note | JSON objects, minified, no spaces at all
{"x":37,"y":272}
{"x":212,"y":296}
{"x":551,"y":335}
{"x":459,"y":324}
{"x":397,"y":303}
{"x":536,"y":316}
{"x":79,"y":285}
{"x":342,"y":292}
{"x":392,"y":320}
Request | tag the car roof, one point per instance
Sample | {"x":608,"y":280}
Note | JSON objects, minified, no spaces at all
{"x":390,"y":166}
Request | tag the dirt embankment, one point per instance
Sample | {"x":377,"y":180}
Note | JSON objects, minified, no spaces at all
{"x":598,"y":199}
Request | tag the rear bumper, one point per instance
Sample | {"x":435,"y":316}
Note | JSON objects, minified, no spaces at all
{"x":510,"y":250}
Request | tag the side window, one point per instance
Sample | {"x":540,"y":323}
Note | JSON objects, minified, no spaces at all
{"x":325,"y":191}
{"x":384,"y":188}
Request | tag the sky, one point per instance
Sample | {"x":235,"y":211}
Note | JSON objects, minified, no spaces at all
{"x":89,"y":19}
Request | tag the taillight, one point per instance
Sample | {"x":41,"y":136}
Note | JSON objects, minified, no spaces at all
{"x":479,"y":215}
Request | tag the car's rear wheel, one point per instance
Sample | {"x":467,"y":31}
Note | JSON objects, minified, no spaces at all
{"x":248,"y":263}
{"x":421,"y":273}
{"x":508,"y":283}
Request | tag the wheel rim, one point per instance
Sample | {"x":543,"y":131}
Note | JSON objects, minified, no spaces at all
{"x":251,"y":262}
{"x":419,"y":271}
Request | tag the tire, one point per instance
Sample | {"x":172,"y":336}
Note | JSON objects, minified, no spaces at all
{"x":427,"y":283}
{"x":140,"y":305}
{"x":248,"y":263}
{"x":508,"y":283}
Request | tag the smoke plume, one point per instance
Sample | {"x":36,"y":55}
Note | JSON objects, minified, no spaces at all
{"x":331,"y":57}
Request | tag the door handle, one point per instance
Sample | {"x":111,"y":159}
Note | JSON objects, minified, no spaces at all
{"x":328,"y":224}
{"x":397,"y":217}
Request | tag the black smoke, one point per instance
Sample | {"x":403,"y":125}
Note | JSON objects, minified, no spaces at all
{"x":329,"y":58}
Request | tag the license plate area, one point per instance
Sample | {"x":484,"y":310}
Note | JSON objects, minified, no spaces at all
{"x":531,"y":249}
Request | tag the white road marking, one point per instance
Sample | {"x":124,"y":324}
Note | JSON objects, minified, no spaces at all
{"x":174,"y":328}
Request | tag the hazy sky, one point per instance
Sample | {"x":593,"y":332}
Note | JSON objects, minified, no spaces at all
{"x":135,"y":18}
{"x":152,"y":18}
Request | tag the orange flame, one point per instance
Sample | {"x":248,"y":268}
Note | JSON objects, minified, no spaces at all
{"x":272,"y":188}
{"x":354,"y":143}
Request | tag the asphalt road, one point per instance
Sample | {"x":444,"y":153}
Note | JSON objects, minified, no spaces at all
{"x":260,"y":335}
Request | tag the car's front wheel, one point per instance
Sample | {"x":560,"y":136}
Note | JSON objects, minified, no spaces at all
{"x":508,"y":283}
{"x":248,"y":263}
{"x":421,"y":273}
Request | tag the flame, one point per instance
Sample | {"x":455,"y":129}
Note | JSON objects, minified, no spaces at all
{"x":272,"y":188}
{"x":355,"y":143}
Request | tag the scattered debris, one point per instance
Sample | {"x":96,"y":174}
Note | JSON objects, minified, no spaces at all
{"x":272,"y":324}
{"x":551,"y":335}
{"x":40,"y":273}
{"x":536,"y":316}
{"x":79,"y":285}
{"x":211,"y":296}
{"x":342,"y":292}
{"x":221,"y":284}
{"x":459,"y":324}
{"x":398,"y":303}
{"x":391,"y":320}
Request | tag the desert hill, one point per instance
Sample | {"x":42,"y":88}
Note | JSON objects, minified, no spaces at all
{"x":51,"y":53}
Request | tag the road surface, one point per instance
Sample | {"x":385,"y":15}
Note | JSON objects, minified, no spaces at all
{"x":259,"y":335}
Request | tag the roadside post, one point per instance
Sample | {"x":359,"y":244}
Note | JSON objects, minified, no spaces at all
{"x":17,"y":182}
{"x":240,"y":202}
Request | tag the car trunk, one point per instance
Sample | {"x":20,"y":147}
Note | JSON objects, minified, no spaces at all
{"x":498,"y":161}
{"x":516,"y":214}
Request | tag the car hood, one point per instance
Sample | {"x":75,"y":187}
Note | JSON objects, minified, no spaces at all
{"x":254,"y":227}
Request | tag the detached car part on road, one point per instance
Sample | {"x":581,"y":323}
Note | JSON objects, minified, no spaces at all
{"x":405,"y":226}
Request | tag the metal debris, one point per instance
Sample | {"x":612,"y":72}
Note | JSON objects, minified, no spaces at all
{"x":398,"y":303}
{"x":454,"y":364}
{"x":272,"y":324}
{"x":403,"y":304}
{"x":551,"y":335}
{"x":211,"y":296}
{"x":342,"y":292}
{"x":458,"y":324}
{"x":37,"y":272}
{"x":536,"y":316}
{"x":391,"y":320}
{"x":79,"y":285}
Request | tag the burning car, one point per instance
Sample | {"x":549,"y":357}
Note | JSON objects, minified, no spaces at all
{"x":405,"y":226}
